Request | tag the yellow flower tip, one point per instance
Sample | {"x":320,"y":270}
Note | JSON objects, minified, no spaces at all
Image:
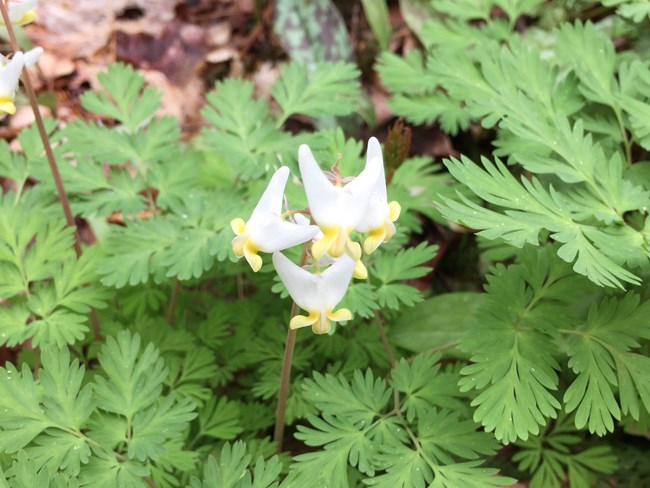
{"x":338,"y":242}
{"x":374,"y":239}
{"x":304,"y":321}
{"x":319,"y":248}
{"x":341,"y":315}
{"x":250,"y":253}
{"x":238,"y":244}
{"x":7,"y":105}
{"x":360,"y":271}
{"x":27,"y":18}
{"x":238,"y":226}
{"x":394,"y":209}
{"x":329,"y":244}
{"x":353,"y":249}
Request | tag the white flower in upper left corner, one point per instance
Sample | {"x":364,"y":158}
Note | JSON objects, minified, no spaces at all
{"x":266,"y":231}
{"x":10,"y":75}
{"x":21,"y":12}
{"x":318,"y":294}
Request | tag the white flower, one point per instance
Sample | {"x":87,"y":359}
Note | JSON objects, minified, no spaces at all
{"x":21,"y":12}
{"x":266,"y":231}
{"x":32,"y":56}
{"x":10,"y":75}
{"x":337,"y":209}
{"x":380,"y":215}
{"x":318,"y":294}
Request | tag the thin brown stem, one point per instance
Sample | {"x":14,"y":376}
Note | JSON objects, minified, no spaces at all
{"x":42,"y":132}
{"x":58,"y":182}
{"x":285,"y":375}
{"x":391,"y":357}
{"x":382,"y":334}
{"x":173,"y":301}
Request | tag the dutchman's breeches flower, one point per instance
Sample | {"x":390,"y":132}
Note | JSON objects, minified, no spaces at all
{"x":380,"y":215}
{"x":337,"y":209}
{"x":266,"y":230}
{"x":10,"y":75}
{"x":21,"y":12}
{"x":318,"y":294}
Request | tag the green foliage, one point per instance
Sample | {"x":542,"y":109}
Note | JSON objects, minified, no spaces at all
{"x":602,"y":356}
{"x":558,"y":455}
{"x":110,"y":431}
{"x":636,"y":10}
{"x":49,"y":291}
{"x":181,"y":388}
{"x":358,"y":428}
{"x":233,"y":469}
{"x":328,"y":89}
{"x":378,"y":18}
{"x":538,"y":114}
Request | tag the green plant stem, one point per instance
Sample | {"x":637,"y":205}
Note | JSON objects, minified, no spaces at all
{"x":58,"y":182}
{"x":391,"y":357}
{"x":173,"y":301}
{"x":285,"y":375}
{"x":627,"y":145}
{"x":382,"y":334}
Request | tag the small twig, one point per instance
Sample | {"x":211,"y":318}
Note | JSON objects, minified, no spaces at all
{"x":257,"y":31}
{"x":58,"y":182}
{"x":285,"y":376}
{"x":173,"y":301}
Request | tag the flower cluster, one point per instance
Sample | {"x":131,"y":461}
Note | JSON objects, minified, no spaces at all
{"x":20,"y":13}
{"x":338,"y":206}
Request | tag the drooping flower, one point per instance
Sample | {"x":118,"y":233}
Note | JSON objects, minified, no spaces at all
{"x":337,"y":209}
{"x":318,"y":294}
{"x":380,"y":215}
{"x":21,"y":12}
{"x":10,"y":75}
{"x":266,"y":231}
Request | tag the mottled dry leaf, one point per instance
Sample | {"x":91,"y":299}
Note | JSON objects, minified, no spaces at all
{"x":77,"y":29}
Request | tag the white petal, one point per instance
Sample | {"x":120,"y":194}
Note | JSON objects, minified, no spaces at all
{"x":278,"y":235}
{"x":363,"y":186}
{"x":376,"y":214}
{"x":32,"y":56}
{"x":301,"y":284}
{"x":321,"y":194}
{"x":336,"y":280}
{"x":374,"y":158}
{"x":17,"y":10}
{"x":300,"y":219}
{"x":10,"y":74}
{"x":374,"y":150}
{"x":271,"y":200}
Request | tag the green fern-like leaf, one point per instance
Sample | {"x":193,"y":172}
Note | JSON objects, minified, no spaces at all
{"x":601,"y":355}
